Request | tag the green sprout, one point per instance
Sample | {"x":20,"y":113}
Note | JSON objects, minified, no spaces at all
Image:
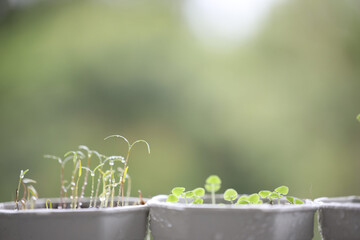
{"x":21,"y":177}
{"x":48,"y":204}
{"x":93,"y":172}
{"x":251,"y":199}
{"x":62,"y":170}
{"x":195,"y":195}
{"x":89,"y":155}
{"x":113,"y":184}
{"x":212,"y":185}
{"x":100,"y":157}
{"x":122,"y":179}
{"x":230,"y":195}
{"x":278,"y":193}
{"x":32,"y":196}
{"x":358,"y":117}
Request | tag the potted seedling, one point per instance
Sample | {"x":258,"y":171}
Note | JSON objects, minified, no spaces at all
{"x":191,"y":215}
{"x":339,"y":217}
{"x":108,"y":212}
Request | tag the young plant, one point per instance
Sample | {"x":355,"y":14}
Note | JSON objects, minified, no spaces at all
{"x":230,"y":195}
{"x":212,"y":185}
{"x":113,"y":184}
{"x":32,"y":195}
{"x":278,"y":193}
{"x":251,"y":199}
{"x":130,"y":146}
{"x":195,"y":195}
{"x":62,"y":170}
{"x":93,"y":172}
{"x":48,"y":204}
{"x":21,"y":177}
{"x":89,"y":155}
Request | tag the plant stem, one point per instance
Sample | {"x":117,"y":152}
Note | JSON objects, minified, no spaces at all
{"x":72,"y":186}
{"x":92,"y":189}
{"x":61,"y":184}
{"x":112,"y":180}
{"x":85,"y":178}
{"x":213,"y":194}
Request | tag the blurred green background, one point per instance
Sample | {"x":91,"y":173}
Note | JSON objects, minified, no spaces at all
{"x":275,"y":107}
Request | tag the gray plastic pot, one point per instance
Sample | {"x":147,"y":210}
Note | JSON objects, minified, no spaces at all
{"x":177,"y":221}
{"x":339,"y":218}
{"x":119,"y":223}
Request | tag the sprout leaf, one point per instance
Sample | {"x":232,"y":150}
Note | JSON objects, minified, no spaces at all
{"x":172,"y":198}
{"x":230,"y":194}
{"x":199,"y":192}
{"x":178,"y":191}
{"x":282,"y":190}
{"x":264,"y":193}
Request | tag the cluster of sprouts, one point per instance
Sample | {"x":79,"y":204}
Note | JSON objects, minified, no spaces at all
{"x":213,"y":184}
{"x":108,"y":178}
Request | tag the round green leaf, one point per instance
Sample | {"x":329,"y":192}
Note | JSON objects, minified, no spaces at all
{"x":264,"y":193}
{"x":242,"y":202}
{"x":254,"y":198}
{"x":259,"y":202}
{"x":213,"y":179}
{"x":199,"y":192}
{"x":274,"y":195}
{"x":189,"y":194}
{"x":358,"y":117}
{"x":178,"y":191}
{"x":244,"y":198}
{"x":230,"y":194}
{"x":212,"y":187}
{"x":172,"y":198}
{"x":282,"y":190}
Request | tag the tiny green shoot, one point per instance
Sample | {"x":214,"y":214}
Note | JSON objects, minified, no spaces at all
{"x":278,"y":193}
{"x":21,"y":177}
{"x":251,"y":199}
{"x":48,"y":204}
{"x":230,"y":195}
{"x":212,"y":185}
{"x":130,"y":146}
{"x":196,"y":195}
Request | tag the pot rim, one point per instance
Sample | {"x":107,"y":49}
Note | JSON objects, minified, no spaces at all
{"x":339,"y":202}
{"x":159,"y":201}
{"x":68,"y":211}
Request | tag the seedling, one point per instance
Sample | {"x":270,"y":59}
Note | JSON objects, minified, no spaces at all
{"x":230,"y":195}
{"x":252,"y":199}
{"x":212,"y":185}
{"x":277,"y":194}
{"x":123,"y":178}
{"x":107,"y":178}
{"x":195,"y":195}
{"x":92,"y":180}
{"x":48,"y":204}
{"x":22,"y":174}
{"x":358,"y":117}
{"x":62,"y":170}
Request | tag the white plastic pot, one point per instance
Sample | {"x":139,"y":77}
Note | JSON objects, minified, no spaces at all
{"x":178,"y":221}
{"x":118,"y":223}
{"x":339,"y":218}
